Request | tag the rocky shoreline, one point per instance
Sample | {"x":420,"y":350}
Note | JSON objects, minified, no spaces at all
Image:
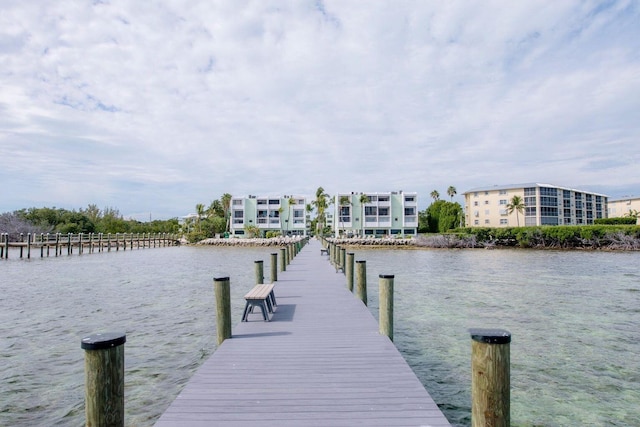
{"x":274,"y":241}
{"x":616,"y":241}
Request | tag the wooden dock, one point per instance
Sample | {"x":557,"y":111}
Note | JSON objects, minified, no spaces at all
{"x":320,"y":361}
{"x":56,"y":244}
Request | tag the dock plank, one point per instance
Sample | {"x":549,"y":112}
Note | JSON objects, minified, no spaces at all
{"x":320,"y":361}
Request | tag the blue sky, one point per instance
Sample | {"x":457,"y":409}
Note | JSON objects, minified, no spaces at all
{"x":152,"y":107}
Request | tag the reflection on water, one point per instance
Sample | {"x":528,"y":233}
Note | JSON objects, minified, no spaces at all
{"x":574,"y":318}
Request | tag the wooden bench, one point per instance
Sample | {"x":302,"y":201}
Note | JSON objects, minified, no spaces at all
{"x":261,"y":296}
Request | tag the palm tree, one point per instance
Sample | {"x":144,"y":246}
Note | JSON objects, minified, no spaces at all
{"x":516,"y":204}
{"x":363,"y":200}
{"x":344,"y":201}
{"x":215,"y":209}
{"x":309,"y":208}
{"x":321,"y":205}
{"x":200,"y":212}
{"x":292,"y":203}
{"x":435,"y":195}
{"x":226,"y":207}
{"x":451,"y":191}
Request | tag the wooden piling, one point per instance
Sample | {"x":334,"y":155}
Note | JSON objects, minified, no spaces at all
{"x":21,"y":241}
{"x":343,"y":252}
{"x":28,"y":245}
{"x":348,"y":270}
{"x":222,"y":290}
{"x":274,"y":267}
{"x":361,"y":281}
{"x":104,"y":379}
{"x":385,"y":283}
{"x":283,"y":259}
{"x":259,"y":269}
{"x":490,"y":377}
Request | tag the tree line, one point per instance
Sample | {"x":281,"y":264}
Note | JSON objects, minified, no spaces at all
{"x":88,"y":220}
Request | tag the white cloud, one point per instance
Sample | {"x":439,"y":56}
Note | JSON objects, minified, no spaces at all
{"x":156,"y":106}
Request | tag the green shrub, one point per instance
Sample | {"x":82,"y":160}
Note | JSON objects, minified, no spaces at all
{"x":616,"y":221}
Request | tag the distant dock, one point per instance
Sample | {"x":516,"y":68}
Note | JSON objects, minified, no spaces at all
{"x":320,"y":361}
{"x":45,"y":245}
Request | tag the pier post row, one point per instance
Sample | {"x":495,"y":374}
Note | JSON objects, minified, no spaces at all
{"x":283,"y":259}
{"x":490,"y":377}
{"x":259,"y":267}
{"x":361,"y":280}
{"x":348,"y":271}
{"x":274,"y":267}
{"x":222,"y":289}
{"x":386,"y":304}
{"x":104,"y":379}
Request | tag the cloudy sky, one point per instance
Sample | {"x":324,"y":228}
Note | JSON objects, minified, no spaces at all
{"x":154,"y":106}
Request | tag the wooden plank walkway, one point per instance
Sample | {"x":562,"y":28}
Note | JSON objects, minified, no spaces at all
{"x":320,"y":362}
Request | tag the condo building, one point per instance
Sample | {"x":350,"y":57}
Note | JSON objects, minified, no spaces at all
{"x":283,"y":214}
{"x":623,"y":207}
{"x":544,"y":204}
{"x":392,"y":213}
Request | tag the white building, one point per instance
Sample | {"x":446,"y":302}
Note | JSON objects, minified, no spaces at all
{"x":392,"y":213}
{"x":283,"y":214}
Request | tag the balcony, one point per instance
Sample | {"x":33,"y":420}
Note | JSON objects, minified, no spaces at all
{"x":411,"y":220}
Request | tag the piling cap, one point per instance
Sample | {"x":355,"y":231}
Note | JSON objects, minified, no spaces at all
{"x":102,"y":341}
{"x":386,"y":276}
{"x":490,"y":336}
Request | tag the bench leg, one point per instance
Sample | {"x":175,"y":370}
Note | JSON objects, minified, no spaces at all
{"x":247,"y":310}
{"x":272,"y":295}
{"x":264,"y":311}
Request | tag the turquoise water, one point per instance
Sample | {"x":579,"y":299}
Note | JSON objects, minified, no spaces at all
{"x":574,"y":318}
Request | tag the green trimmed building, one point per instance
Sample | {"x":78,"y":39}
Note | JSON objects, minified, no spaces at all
{"x":393,"y":213}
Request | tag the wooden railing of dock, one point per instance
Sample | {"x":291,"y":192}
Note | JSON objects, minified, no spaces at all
{"x":57,"y":244}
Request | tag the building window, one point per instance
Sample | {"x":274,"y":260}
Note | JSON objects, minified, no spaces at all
{"x":345,"y":214}
{"x":504,"y":221}
{"x":503,"y":192}
{"x":475,"y":203}
{"x":476,"y":222}
{"x":274,"y":201}
{"x":409,"y":211}
{"x":486,"y":221}
{"x":486,"y":202}
{"x":486,"y":212}
{"x":531,"y":191}
{"x":503,"y":201}
{"x":475,"y":194}
{"x":547,"y":191}
{"x":409,"y":199}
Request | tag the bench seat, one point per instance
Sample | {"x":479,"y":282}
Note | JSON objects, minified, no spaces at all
{"x":261,"y":296}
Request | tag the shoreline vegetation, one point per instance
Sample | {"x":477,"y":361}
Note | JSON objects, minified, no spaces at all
{"x":592,"y":237}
